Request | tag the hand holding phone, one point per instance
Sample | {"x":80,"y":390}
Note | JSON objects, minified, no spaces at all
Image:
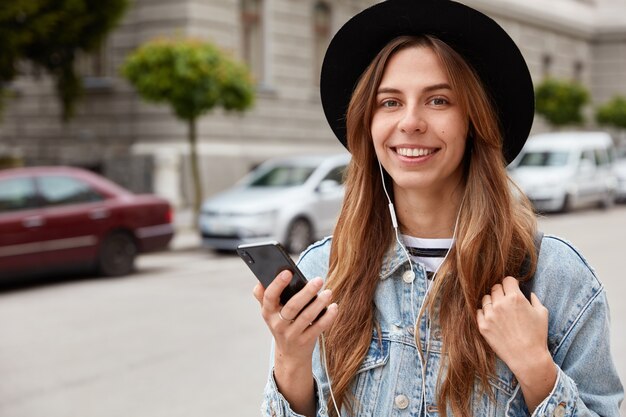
{"x":267,"y":260}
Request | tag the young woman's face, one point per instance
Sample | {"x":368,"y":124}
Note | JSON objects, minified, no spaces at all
{"x":418,"y":127}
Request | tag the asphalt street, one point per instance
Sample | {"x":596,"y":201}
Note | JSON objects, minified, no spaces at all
{"x":183,"y":336}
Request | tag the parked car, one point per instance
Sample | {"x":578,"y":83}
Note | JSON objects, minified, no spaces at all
{"x":619,"y":167}
{"x":61,"y":217}
{"x":292,"y":200}
{"x":564,"y":170}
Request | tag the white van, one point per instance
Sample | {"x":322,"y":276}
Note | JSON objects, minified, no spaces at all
{"x":564,"y":170}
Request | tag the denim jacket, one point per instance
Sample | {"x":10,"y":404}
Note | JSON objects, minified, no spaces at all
{"x":389,"y":381}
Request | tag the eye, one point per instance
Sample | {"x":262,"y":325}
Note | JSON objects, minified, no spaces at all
{"x":439,"y":101}
{"x":390,"y":103}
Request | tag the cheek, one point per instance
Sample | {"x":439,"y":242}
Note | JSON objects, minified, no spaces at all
{"x":378,"y":130}
{"x":456,"y":133}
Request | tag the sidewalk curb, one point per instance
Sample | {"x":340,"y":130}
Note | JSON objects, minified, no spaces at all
{"x":186,"y":234}
{"x":186,"y":239}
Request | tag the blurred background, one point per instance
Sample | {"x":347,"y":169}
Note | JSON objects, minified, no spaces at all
{"x":145,"y":139}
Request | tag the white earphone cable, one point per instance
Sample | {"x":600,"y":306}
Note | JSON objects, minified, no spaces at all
{"x":422,"y":359}
{"x":330,"y":388}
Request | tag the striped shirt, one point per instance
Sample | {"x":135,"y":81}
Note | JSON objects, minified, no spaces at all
{"x":428,"y":252}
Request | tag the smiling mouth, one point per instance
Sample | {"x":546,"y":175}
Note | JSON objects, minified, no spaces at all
{"x":415,"y":152}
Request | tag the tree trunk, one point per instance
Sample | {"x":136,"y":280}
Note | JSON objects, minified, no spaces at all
{"x":195,"y":170}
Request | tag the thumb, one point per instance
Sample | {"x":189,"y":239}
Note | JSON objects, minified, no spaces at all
{"x":534,"y":300}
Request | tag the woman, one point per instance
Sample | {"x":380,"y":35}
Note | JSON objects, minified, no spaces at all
{"x":432,"y":247}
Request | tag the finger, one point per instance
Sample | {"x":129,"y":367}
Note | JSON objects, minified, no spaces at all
{"x":271,"y":298}
{"x":497,"y":293}
{"x":310,"y":313}
{"x":295,"y":305}
{"x":486,"y":302}
{"x":258,"y":292}
{"x":534,"y":301}
{"x":324,"y":322}
{"x":538,"y":306}
{"x":510,"y":285}
{"x":480,"y":320}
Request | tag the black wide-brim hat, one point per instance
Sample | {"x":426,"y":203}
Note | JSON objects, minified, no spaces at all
{"x":476,"y":37}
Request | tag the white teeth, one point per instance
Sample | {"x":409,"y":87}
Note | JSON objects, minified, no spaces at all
{"x":414,"y":151}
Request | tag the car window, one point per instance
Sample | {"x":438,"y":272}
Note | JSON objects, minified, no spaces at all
{"x":61,"y":190}
{"x":544,"y":159}
{"x":283,"y":176}
{"x":336,"y":174}
{"x":589,"y":156}
{"x":17,"y":194}
{"x":602,"y":157}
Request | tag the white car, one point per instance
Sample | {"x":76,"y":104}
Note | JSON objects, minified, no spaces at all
{"x":619,"y":167}
{"x":564,"y":170}
{"x":294,"y":200}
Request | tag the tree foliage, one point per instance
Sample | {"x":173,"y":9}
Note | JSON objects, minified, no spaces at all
{"x":613,"y":113}
{"x":50,"y":34}
{"x":192,"y":77}
{"x":560,"y":101}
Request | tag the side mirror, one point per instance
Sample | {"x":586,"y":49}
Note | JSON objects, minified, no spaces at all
{"x":327,"y":186}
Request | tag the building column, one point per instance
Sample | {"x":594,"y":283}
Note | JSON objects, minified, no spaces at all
{"x":167,"y":175}
{"x":268,"y":47}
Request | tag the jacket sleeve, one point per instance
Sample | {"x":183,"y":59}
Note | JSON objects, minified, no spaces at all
{"x":587,"y":382}
{"x":313,"y":263}
{"x":275,"y":405}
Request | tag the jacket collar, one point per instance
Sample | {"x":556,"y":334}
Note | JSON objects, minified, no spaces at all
{"x":393,"y":259}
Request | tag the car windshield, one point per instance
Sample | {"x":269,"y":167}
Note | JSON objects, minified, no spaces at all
{"x":544,"y":159}
{"x":283,"y":176}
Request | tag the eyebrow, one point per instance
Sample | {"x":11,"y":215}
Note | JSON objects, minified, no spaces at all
{"x":440,"y":86}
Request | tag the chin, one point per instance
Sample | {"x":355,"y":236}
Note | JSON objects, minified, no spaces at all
{"x":412,"y":184}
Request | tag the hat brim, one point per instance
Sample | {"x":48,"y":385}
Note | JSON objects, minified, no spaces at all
{"x":479,"y":39}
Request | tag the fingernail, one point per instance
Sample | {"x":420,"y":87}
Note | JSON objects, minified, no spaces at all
{"x":285,"y":276}
{"x":333,"y":306}
{"x":326,"y":293}
{"x":318,"y":281}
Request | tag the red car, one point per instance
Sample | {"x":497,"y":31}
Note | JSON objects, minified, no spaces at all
{"x":60,"y":217}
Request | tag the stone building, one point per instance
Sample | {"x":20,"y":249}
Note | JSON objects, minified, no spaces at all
{"x":144,"y":146}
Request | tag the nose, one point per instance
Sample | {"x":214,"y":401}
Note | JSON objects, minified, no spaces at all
{"x":412,"y":121}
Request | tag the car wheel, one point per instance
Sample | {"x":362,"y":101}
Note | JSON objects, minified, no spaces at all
{"x":299,"y":235}
{"x":117,"y":255}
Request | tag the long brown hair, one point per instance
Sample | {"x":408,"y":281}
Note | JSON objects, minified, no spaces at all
{"x":494,"y":235}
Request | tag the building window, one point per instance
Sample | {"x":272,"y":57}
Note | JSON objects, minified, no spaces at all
{"x":578,"y":71}
{"x":94,"y":70}
{"x":252,"y":27}
{"x":546,"y":65}
{"x":92,"y":64}
{"x":322,"y":20}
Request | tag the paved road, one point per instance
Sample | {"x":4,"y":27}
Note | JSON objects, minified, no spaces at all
{"x":183,"y":336}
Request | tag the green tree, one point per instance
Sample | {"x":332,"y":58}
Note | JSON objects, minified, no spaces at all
{"x":193,"y":77}
{"x":560,"y":101}
{"x":50,"y":34}
{"x":613,"y":113}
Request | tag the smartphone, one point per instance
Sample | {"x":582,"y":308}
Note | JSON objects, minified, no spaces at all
{"x":268,"y":259}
